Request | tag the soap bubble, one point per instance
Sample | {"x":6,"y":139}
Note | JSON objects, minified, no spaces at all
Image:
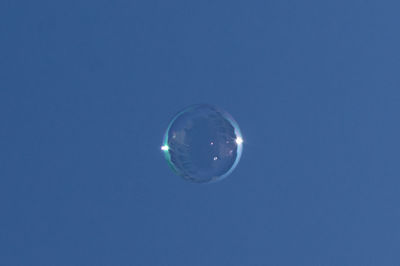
{"x":203,"y":143}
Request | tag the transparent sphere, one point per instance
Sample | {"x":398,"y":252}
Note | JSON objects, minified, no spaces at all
{"x":203,"y":143}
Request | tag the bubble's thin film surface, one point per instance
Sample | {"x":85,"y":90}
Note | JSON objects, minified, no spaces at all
{"x":203,"y":143}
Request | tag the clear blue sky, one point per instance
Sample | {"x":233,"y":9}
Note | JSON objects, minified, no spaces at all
{"x":87,"y":89}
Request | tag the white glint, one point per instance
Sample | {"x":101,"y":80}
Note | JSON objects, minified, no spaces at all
{"x":165,"y":148}
{"x":215,"y":158}
{"x":239,"y":140}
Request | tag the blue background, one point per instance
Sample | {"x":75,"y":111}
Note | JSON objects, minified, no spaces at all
{"x":87,"y":89}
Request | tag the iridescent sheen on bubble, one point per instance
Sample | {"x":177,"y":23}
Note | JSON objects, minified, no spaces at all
{"x":203,"y":143}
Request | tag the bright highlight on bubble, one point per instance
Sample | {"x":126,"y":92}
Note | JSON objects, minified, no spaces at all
{"x":239,"y":140}
{"x":164,"y":148}
{"x":203,"y":143}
